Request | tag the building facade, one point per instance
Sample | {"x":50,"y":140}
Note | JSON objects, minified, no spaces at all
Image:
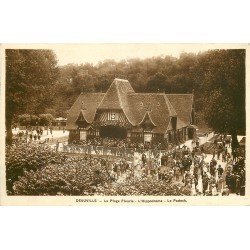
{"x":122,"y":113}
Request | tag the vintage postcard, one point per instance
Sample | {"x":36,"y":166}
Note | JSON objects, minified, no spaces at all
{"x":124,"y":124}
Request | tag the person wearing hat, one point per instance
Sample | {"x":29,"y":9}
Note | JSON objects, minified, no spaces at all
{"x":220,"y":184}
{"x":196,"y":171}
{"x":177,"y":173}
{"x":144,"y":159}
{"x":220,"y":171}
{"x":229,"y":181}
{"x":212,"y":169}
{"x":238,"y":183}
{"x":205,"y":181}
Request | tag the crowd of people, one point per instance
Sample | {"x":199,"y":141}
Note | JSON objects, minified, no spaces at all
{"x":221,"y":172}
{"x":218,"y":174}
{"x":121,"y":143}
{"x":31,"y":134}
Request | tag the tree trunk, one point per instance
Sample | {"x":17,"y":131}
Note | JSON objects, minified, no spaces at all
{"x":9,"y":131}
{"x":235,"y":144}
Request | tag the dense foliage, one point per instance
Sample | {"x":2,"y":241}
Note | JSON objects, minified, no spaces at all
{"x":21,"y":158}
{"x":36,"y":170}
{"x":28,"y":120}
{"x":33,"y":120}
{"x":70,"y":178}
{"x":80,"y":179}
{"x":223,"y":86}
{"x":216,"y":77}
{"x":45,"y":119}
{"x":30,"y":75}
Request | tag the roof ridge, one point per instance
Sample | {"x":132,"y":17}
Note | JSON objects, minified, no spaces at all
{"x":104,"y":95}
{"x":119,"y":97}
{"x":121,"y":103}
{"x":101,"y":101}
{"x":169,"y":104}
{"x":74,"y":104}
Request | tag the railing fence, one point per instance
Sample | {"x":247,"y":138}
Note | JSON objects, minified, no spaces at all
{"x":112,"y":151}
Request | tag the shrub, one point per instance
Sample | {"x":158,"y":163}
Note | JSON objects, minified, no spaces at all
{"x":69,"y":178}
{"x":45,"y":119}
{"x":24,"y":119}
{"x":79,"y":177}
{"x":21,"y":157}
{"x":33,"y":169}
{"x":28,"y":120}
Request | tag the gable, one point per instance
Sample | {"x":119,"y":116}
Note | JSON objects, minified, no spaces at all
{"x":156,"y":108}
{"x":153,"y":103}
{"x":115,"y":96}
{"x":87,"y":104}
{"x":183,"y":105}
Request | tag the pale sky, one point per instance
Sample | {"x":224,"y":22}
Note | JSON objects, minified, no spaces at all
{"x":93,"y":53}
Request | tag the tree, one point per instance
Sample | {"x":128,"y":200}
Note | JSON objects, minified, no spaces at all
{"x":29,"y":77}
{"x":156,"y":82}
{"x":24,"y":120}
{"x":83,"y":82}
{"x":216,"y":77}
{"x":224,"y":91}
{"x":45,"y":119}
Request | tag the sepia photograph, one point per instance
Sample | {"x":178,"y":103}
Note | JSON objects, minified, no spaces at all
{"x":125,"y":120}
{"x":124,"y":125}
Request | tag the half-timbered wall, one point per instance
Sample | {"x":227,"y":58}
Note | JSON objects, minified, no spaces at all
{"x":112,"y":117}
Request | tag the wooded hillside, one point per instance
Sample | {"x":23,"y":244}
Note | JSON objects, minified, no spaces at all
{"x":35,"y":84}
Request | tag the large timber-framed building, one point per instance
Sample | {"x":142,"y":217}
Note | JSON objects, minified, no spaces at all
{"x":122,"y":113}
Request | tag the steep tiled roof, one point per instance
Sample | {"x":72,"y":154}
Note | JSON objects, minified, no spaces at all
{"x":160,"y":110}
{"x":86,"y":103}
{"x":182,"y":103}
{"x":158,"y":106}
{"x":115,"y":97}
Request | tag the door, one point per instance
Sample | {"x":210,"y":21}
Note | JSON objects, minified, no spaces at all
{"x":147,"y":137}
{"x":83,"y":135}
